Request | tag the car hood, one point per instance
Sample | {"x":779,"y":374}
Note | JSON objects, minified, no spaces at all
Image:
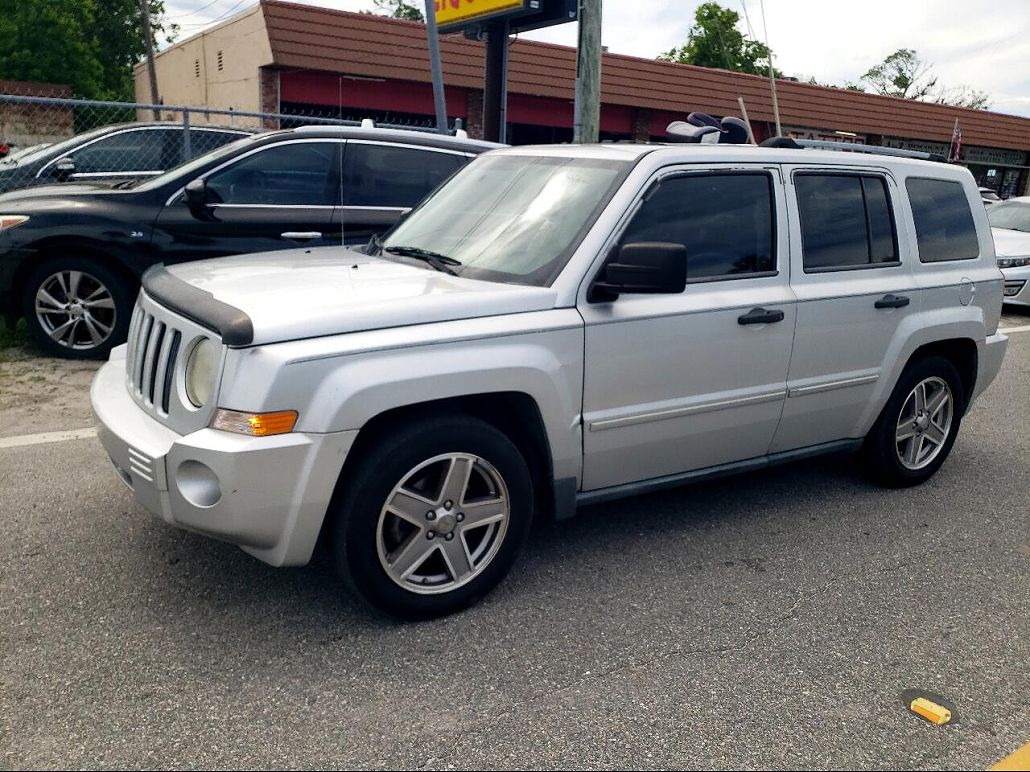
{"x":66,"y":190}
{"x":1010,"y":243}
{"x":296,"y":294}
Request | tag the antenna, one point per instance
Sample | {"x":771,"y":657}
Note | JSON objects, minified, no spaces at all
{"x":772,"y":78}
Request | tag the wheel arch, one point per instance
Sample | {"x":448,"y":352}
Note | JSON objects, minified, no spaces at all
{"x":57,"y":246}
{"x":515,"y":414}
{"x":962,"y":353}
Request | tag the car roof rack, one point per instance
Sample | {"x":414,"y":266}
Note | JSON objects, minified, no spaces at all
{"x":850,"y":147}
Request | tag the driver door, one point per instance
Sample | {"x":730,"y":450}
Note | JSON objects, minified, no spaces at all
{"x":275,"y":197}
{"x":675,"y":383}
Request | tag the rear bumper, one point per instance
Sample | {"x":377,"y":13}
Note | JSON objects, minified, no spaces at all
{"x":991,"y":353}
{"x":269,"y":495}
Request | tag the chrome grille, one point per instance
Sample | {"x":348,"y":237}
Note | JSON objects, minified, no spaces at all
{"x":153,"y":348}
{"x":159,"y":343}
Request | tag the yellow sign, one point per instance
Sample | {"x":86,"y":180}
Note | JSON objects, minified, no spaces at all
{"x":455,"y":13}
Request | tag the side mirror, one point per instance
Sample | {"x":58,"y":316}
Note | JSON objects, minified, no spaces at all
{"x":195,"y":193}
{"x":64,"y":169}
{"x":646,"y":267}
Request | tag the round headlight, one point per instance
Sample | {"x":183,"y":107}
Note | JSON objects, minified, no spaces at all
{"x":200,"y":372}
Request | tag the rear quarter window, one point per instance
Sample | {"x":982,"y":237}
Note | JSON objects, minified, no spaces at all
{"x":944,"y":222}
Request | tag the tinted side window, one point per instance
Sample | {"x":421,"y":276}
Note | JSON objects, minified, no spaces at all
{"x":846,"y":221}
{"x":385,"y":175}
{"x":724,"y":220}
{"x":204,"y":140}
{"x":944,"y":223}
{"x":290,"y":174}
{"x":129,"y":151}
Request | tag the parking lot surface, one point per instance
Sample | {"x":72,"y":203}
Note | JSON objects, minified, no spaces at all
{"x":768,"y":620}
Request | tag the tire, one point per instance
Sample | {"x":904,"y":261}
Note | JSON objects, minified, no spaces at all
{"x":76,"y":308}
{"x":911,"y":439}
{"x":402,"y":563}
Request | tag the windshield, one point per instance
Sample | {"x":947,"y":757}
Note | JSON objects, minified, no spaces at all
{"x":1015,"y":217}
{"x":198,"y":162}
{"x":511,"y":218}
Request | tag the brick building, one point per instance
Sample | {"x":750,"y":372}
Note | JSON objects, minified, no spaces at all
{"x":22,"y":125}
{"x":283,"y":57}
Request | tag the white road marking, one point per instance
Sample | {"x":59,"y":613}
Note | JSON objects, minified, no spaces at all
{"x":39,"y":439}
{"x":1010,"y":330}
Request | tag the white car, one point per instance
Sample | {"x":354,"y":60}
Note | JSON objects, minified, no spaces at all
{"x":1010,"y":224}
{"x":989,"y":196}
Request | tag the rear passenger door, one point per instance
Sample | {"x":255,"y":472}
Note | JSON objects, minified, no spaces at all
{"x":674,"y":383}
{"x":855,"y":288}
{"x":381,"y":181}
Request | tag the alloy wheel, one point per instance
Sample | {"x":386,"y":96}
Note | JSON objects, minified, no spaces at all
{"x":75,"y":309}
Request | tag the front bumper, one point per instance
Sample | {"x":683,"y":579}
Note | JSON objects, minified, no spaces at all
{"x":269,"y":495}
{"x":1017,"y":285}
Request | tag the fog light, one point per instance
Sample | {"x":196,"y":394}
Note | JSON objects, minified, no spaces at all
{"x":1013,"y":288}
{"x":198,"y":484}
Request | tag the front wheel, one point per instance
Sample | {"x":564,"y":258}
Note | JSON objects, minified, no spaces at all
{"x":918,"y":425}
{"x":76,"y":308}
{"x":433,"y":517}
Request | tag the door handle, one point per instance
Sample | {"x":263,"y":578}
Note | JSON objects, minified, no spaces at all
{"x":760,"y":316}
{"x":892,"y":301}
{"x":301,"y":235}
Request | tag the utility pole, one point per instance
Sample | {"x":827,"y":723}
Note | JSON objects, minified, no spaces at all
{"x":434,"y":65}
{"x":155,"y":99}
{"x":587,"y":121}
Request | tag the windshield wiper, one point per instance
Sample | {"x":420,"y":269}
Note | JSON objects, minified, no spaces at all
{"x":124,"y":185}
{"x":435,"y":259}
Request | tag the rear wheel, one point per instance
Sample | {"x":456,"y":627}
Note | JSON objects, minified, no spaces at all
{"x":76,"y":308}
{"x":917,"y":428}
{"x":433,"y":517}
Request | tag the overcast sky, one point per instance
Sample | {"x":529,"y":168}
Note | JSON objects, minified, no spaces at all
{"x":984,"y":45}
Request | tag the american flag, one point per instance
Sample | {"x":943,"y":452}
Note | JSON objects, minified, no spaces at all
{"x":956,"y":143}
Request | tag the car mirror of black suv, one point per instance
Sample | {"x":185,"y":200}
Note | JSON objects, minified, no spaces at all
{"x":63,"y":169}
{"x":196,"y":194}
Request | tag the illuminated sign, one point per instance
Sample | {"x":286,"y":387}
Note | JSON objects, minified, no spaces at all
{"x":452,"y":15}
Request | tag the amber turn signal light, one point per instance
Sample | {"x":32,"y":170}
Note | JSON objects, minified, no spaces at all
{"x":255,"y":424}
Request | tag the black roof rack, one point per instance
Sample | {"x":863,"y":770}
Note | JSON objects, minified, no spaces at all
{"x":851,"y":147}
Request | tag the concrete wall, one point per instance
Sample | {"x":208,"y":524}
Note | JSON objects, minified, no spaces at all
{"x":188,"y":73}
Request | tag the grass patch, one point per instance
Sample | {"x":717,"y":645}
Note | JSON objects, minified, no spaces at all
{"x":12,"y":336}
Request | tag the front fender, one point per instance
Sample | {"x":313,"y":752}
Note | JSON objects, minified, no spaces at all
{"x":332,"y":390}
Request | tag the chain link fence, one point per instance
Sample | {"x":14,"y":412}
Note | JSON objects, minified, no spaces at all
{"x":58,"y":139}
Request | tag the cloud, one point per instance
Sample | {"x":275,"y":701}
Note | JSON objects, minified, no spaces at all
{"x":985,"y":46}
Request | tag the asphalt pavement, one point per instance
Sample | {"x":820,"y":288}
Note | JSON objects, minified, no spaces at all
{"x":771,"y":620}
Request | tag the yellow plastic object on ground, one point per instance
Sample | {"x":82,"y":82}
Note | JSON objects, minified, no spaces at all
{"x":931,"y":711}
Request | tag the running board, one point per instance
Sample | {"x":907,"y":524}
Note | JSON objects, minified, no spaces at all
{"x":711,"y":472}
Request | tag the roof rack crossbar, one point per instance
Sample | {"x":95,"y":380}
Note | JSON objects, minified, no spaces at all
{"x":853,"y":147}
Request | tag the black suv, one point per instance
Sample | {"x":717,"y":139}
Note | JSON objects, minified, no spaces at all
{"x":126,"y":151}
{"x":71,"y":255}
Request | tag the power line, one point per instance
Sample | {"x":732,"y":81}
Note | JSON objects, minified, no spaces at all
{"x":217,"y":18}
{"x":193,"y":12}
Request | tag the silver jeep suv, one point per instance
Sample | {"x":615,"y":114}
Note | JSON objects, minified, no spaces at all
{"x":555,"y":326}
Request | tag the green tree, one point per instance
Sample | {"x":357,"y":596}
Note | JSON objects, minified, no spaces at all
{"x":91,"y":45}
{"x":399,"y":9}
{"x":903,"y":74}
{"x":119,"y":27}
{"x":715,"y":41}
